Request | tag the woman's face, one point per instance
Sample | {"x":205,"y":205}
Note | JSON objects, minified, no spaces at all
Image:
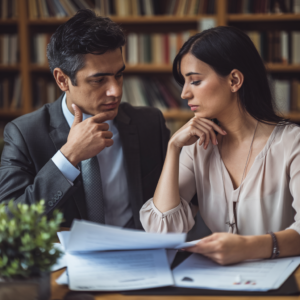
{"x":207,"y":93}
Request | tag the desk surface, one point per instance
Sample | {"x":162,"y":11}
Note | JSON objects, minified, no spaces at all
{"x":59,"y":291}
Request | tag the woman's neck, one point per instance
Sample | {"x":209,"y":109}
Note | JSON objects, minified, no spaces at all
{"x":239,"y":126}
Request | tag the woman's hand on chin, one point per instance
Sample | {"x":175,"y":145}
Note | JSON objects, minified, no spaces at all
{"x":223,"y":248}
{"x":196,"y":128}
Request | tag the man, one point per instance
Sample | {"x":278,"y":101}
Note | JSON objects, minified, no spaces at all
{"x":86,"y":153}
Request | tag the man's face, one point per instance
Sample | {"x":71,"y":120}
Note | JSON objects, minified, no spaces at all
{"x":99,"y":84}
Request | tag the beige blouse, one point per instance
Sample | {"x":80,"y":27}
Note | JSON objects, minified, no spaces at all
{"x":269,"y":198}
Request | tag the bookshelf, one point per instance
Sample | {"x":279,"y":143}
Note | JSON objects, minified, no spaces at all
{"x":26,"y":27}
{"x":288,"y":17}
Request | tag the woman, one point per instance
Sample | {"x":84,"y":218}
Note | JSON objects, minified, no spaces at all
{"x":245,"y":170}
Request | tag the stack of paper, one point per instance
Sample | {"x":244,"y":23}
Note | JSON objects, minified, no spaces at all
{"x":96,"y":261}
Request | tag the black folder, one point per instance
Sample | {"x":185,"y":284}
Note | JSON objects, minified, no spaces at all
{"x":290,"y":287}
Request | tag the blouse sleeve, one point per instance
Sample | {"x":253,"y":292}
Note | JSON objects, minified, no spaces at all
{"x":180,"y":218}
{"x":294,"y":172}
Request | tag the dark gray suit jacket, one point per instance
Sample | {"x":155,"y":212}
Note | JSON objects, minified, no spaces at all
{"x":27,"y":173}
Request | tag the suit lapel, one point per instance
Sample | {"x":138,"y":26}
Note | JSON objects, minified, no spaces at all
{"x":59,"y":135}
{"x":130,"y":144}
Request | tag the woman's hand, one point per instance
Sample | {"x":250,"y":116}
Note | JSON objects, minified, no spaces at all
{"x":196,"y":128}
{"x":223,"y":248}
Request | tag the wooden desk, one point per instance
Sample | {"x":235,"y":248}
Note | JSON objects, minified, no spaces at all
{"x":59,"y":291}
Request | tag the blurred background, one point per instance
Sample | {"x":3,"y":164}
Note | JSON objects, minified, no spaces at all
{"x":155,"y":30}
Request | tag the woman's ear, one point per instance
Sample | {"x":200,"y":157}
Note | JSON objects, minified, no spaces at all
{"x":236,"y":80}
{"x":61,"y":79}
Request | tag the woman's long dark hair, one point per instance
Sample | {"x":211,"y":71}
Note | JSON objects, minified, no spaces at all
{"x":226,"y":48}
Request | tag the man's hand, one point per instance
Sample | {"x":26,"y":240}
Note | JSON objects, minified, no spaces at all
{"x":196,"y":128}
{"x":87,"y":138}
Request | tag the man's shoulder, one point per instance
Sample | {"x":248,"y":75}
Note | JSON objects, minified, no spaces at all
{"x":34,"y":119}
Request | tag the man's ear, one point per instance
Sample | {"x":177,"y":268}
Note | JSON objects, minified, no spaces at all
{"x":236,"y":80}
{"x":61,"y":79}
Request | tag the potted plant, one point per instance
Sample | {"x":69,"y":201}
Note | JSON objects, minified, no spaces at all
{"x":26,"y":250}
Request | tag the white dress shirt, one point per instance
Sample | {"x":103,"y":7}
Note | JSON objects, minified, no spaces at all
{"x":114,"y":181}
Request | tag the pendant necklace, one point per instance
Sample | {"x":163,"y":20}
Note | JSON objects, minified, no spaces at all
{"x":233,"y":225}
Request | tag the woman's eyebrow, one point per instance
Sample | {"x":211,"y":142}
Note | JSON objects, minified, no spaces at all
{"x":192,"y":73}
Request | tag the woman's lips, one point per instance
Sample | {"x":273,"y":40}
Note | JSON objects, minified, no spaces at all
{"x":193,"y":107}
{"x":110,"y":105}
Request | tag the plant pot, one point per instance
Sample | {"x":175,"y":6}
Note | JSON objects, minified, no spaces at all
{"x":33,"y":288}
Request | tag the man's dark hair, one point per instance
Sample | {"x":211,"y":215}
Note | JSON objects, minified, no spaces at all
{"x":82,"y":34}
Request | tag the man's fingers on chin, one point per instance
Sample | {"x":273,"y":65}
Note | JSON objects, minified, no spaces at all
{"x":109,"y":143}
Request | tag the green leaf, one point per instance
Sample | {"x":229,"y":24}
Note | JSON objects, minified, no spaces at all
{"x":26,"y":239}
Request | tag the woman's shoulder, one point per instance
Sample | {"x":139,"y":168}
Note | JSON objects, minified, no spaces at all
{"x":288,"y":132}
{"x":286,"y":139}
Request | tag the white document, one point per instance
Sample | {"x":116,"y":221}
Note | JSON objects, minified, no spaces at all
{"x":64,"y":278}
{"x":62,"y":261}
{"x":118,"y":270}
{"x":288,"y":271}
{"x":87,"y":236}
{"x":63,"y":237}
{"x":198,"y":271}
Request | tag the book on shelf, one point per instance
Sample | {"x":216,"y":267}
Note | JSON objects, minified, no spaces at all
{"x":263,"y":6}
{"x":9,"y":49}
{"x":286,"y":93}
{"x":8,"y":9}
{"x":11,"y":93}
{"x":44,"y":91}
{"x":162,"y":93}
{"x":39,"y":44}
{"x":277,"y":46}
{"x":122,"y":8}
{"x":156,"y":48}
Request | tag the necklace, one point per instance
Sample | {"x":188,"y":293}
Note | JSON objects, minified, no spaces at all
{"x":233,"y":225}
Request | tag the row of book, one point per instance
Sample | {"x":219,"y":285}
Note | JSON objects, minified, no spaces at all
{"x":9,"y":50}
{"x":67,"y":8}
{"x":286,"y":93}
{"x":154,"y":48}
{"x":56,"y":8}
{"x":8,"y":9}
{"x":162,"y":93}
{"x":11,"y":93}
{"x":44,"y":91}
{"x":277,"y":46}
{"x":263,"y":6}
